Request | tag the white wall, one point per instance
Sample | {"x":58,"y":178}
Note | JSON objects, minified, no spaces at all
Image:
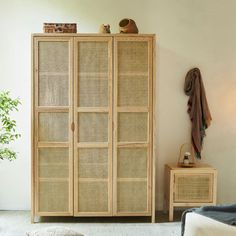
{"x":189,"y":32}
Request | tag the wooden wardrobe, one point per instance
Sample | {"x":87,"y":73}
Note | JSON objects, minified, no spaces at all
{"x":93,"y":99}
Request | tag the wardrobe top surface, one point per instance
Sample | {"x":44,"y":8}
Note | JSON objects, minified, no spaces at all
{"x":89,"y":34}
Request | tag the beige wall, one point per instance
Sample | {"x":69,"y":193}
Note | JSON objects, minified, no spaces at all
{"x":189,"y":32}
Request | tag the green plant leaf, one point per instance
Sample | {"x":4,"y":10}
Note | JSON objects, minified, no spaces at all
{"x":8,"y":131}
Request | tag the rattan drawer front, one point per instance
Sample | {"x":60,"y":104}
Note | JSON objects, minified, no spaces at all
{"x":193,"y":187}
{"x":53,"y":73}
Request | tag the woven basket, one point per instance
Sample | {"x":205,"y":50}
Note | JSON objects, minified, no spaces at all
{"x":59,"y":28}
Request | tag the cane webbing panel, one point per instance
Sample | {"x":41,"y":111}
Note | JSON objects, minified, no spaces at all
{"x":132,"y":56}
{"x":132,"y":126}
{"x":132,"y":163}
{"x":53,"y":162}
{"x":93,"y":57}
{"x":53,"y":89}
{"x":193,"y":188}
{"x":54,"y":196}
{"x":53,"y":127}
{"x":53,"y":73}
{"x":93,"y":79}
{"x":53,"y":56}
{"x":132,"y":90}
{"x":93,"y":91}
{"x":93,"y":163}
{"x":92,"y":127}
{"x":93,"y":196}
{"x":132,"y":196}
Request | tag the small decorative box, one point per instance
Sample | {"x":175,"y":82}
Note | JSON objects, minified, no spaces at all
{"x":59,"y":27}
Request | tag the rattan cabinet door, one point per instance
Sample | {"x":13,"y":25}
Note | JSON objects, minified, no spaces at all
{"x":93,"y":126}
{"x":132,"y":125}
{"x":193,"y":187}
{"x":52,"y":118}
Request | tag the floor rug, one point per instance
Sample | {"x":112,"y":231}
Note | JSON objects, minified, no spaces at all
{"x":17,"y":223}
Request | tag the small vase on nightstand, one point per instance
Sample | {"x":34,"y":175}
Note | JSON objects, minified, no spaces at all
{"x":186,"y":158}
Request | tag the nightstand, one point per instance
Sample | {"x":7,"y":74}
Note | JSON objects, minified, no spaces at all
{"x":188,"y":187}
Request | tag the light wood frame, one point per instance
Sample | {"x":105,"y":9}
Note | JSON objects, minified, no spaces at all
{"x":173,"y":172}
{"x":149,"y":111}
{"x":107,"y":110}
{"x":112,"y":109}
{"x":36,"y":110}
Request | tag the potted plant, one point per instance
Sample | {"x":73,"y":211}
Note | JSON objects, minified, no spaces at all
{"x":7,"y":125}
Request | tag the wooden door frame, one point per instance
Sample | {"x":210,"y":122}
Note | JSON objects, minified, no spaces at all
{"x":150,"y":111}
{"x":73,"y":114}
{"x":35,"y":110}
{"x":108,"y":110}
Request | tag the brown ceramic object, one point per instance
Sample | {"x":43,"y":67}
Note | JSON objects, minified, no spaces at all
{"x":128,"y":26}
